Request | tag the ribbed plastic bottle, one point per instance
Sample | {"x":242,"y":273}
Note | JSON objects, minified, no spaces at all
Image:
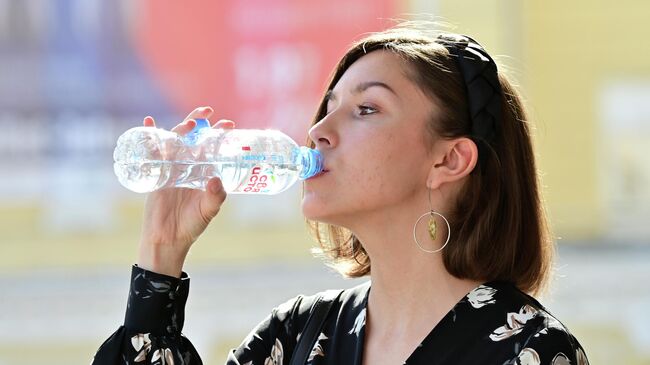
{"x":248,"y":161}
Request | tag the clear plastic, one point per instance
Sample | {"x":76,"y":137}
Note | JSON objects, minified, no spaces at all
{"x":248,"y":161}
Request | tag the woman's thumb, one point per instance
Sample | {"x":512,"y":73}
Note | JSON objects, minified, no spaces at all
{"x":214,"y":198}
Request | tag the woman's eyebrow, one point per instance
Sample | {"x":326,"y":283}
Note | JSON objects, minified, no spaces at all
{"x":361,"y":87}
{"x":368,"y":84}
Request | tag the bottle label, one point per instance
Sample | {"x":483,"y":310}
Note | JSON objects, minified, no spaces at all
{"x":259,"y":180}
{"x":254,"y":158}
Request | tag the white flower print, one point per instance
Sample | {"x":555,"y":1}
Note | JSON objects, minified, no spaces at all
{"x":358,"y":323}
{"x":277,"y":354}
{"x":561,"y":359}
{"x":528,"y":356}
{"x":141,"y":341}
{"x":164,"y":355}
{"x":318,"y":348}
{"x":515,"y":323}
{"x":481,"y":296}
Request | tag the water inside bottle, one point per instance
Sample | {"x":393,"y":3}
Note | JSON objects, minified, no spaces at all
{"x":236,"y":177}
{"x":142,"y":177}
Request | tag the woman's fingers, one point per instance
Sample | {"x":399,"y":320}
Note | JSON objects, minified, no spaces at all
{"x":190,"y":121}
{"x":185,"y":127}
{"x":224,"y":124}
{"x":216,"y":189}
{"x":212,"y":201}
{"x":203,"y":112}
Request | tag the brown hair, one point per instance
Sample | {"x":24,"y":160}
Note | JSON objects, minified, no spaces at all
{"x":498,"y":227}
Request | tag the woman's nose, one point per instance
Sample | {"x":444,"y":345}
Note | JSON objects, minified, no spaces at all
{"x":322,"y":134}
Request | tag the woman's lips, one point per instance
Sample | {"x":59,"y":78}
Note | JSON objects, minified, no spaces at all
{"x":319,"y":174}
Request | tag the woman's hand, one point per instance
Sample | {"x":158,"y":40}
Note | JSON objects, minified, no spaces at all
{"x":175,"y":217}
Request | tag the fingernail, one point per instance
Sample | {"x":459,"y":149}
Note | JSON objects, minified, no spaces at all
{"x":215,"y":188}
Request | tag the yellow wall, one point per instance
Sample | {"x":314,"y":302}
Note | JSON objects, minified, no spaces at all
{"x":562,"y":52}
{"x":573,"y":47}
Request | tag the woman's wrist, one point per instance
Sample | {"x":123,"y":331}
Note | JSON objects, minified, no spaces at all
{"x":162,"y":259}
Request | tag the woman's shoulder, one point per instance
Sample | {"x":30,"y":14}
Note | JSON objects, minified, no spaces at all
{"x":298,"y":308}
{"x":521,"y":320}
{"x":519,"y":310}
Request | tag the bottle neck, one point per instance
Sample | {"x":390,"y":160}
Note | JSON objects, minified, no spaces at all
{"x":311,"y":161}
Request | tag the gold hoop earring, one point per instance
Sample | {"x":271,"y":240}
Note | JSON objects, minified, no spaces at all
{"x":432,"y":228}
{"x":432,"y":222}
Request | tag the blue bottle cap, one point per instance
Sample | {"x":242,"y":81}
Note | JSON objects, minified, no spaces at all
{"x":193,"y":135}
{"x":311,"y":160}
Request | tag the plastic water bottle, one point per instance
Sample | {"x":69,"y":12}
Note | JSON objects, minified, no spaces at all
{"x":248,"y":161}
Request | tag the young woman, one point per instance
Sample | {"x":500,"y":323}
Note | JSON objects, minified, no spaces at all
{"x":430,"y":188}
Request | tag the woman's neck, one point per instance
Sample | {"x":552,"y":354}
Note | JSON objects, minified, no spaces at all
{"x":410,"y":287}
{"x":412,"y":292}
{"x":408,"y":298}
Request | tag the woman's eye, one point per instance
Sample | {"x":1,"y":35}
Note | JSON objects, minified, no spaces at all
{"x":366,"y":110}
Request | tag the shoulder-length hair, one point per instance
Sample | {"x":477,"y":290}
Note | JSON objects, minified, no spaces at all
{"x":498,"y":226}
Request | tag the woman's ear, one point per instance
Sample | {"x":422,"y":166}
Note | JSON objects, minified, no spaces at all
{"x":454,"y":159}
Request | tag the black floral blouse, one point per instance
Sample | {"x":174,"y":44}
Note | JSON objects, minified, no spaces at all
{"x":493,"y":324}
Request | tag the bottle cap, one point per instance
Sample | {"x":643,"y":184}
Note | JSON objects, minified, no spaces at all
{"x":193,"y":135}
{"x":312,"y":162}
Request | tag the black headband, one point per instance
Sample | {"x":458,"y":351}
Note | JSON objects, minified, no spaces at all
{"x":481,"y":80}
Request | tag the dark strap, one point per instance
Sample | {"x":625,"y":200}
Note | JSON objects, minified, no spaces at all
{"x":313,"y":327}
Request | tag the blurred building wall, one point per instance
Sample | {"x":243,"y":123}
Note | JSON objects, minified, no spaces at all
{"x":584,"y":69}
{"x":580,"y":52}
{"x":75,"y":74}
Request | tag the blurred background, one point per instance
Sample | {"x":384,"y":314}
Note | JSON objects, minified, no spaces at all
{"x":75,"y":74}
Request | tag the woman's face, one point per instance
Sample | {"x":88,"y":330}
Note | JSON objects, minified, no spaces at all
{"x":373,"y":144}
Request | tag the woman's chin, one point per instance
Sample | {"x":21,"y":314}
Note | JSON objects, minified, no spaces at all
{"x":312,"y":213}
{"x":315,"y":212}
{"x":329,"y":211}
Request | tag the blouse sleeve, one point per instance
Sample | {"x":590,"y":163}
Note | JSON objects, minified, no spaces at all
{"x":151,"y":333}
{"x":154,"y":318}
{"x":554,"y":346}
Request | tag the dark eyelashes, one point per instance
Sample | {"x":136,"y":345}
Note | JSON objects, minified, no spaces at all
{"x":362,"y":110}
{"x":328,"y":97}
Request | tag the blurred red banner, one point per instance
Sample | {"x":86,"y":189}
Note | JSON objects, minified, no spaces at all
{"x":261,"y":63}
